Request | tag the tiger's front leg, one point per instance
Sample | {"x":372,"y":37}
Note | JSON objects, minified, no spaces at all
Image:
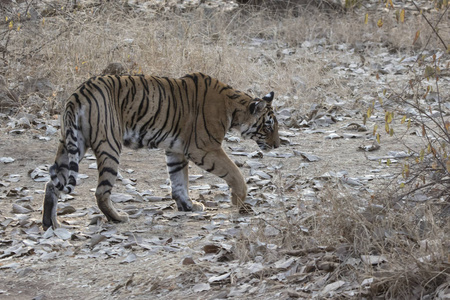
{"x":177,"y":166}
{"x":218,"y":163}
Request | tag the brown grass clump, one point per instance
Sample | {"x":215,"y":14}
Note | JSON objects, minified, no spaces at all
{"x":401,"y":247}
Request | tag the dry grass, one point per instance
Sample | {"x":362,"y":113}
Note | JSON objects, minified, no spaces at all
{"x":412,"y":239}
{"x":242,"y":48}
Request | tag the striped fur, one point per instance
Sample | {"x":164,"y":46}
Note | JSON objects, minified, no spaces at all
{"x":188,"y":117}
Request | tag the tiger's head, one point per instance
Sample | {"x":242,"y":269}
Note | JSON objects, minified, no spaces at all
{"x":265,"y":129}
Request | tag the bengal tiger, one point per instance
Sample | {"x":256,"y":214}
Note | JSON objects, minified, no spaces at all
{"x":188,"y":117}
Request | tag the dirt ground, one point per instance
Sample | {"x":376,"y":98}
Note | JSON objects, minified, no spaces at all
{"x":160,"y":238}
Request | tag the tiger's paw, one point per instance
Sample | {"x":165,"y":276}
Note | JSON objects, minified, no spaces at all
{"x":123,"y":218}
{"x":197,"y":206}
{"x":53,"y":224}
{"x":119,"y":218}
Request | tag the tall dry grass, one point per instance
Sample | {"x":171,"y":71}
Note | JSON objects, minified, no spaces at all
{"x":241,"y":47}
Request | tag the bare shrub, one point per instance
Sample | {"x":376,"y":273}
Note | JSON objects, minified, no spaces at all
{"x":400,"y":247}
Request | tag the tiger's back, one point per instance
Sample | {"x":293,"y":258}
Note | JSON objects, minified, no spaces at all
{"x":154,"y":112}
{"x":188,"y":117}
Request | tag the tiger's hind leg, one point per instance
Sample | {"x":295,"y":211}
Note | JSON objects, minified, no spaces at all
{"x":177,"y":166}
{"x":218,"y":163}
{"x":107,"y":166}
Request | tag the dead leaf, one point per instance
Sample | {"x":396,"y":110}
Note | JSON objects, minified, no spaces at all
{"x":332,"y":287}
{"x":19,"y":209}
{"x":256,"y":154}
{"x":372,"y":147}
{"x":200,"y":187}
{"x":40,"y":174}
{"x":200,"y":287}
{"x":222,"y":277}
{"x":255,"y":267}
{"x":309,"y":157}
{"x":131,"y":257}
{"x":62,"y":233}
{"x":65,"y":210}
{"x":333,"y":136}
{"x":285,"y":263}
{"x":188,"y":261}
{"x":353,"y":136}
{"x":416,"y":37}
{"x":373,"y":259}
{"x":211,"y":249}
{"x":193,"y":178}
{"x":120,"y":198}
{"x":95,"y":239}
{"x":7,"y":160}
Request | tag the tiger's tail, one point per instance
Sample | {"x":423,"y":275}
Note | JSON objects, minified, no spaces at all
{"x":64,"y":172}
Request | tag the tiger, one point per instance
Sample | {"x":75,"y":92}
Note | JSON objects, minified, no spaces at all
{"x":188,"y":117}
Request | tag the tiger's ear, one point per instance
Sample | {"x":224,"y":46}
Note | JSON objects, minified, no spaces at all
{"x":256,"y":107}
{"x":269,"y":97}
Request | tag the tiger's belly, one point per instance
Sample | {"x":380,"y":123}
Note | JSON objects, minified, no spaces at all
{"x":152,"y":140}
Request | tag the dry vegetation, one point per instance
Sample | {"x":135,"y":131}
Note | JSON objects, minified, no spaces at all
{"x":67,"y":45}
{"x":251,"y":48}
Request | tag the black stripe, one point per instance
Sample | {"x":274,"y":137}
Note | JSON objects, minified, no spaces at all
{"x":224,"y":89}
{"x":72,"y":150}
{"x":177,"y":169}
{"x":151,"y":122}
{"x":73,"y":166}
{"x":179,"y":166}
{"x":114,"y":158}
{"x":53,"y":169}
{"x":234,"y":96}
{"x":108,"y":125}
{"x":173,"y":164}
{"x":205,"y":124}
{"x":109,"y":170}
{"x":103,"y":183}
{"x":85,"y":90}
{"x":212,"y":168}
{"x":72,"y":181}
{"x":202,"y":162}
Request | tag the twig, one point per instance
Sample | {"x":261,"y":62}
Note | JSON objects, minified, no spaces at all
{"x":429,"y":23}
{"x":44,"y":44}
{"x":28,"y":6}
{"x":399,"y":198}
